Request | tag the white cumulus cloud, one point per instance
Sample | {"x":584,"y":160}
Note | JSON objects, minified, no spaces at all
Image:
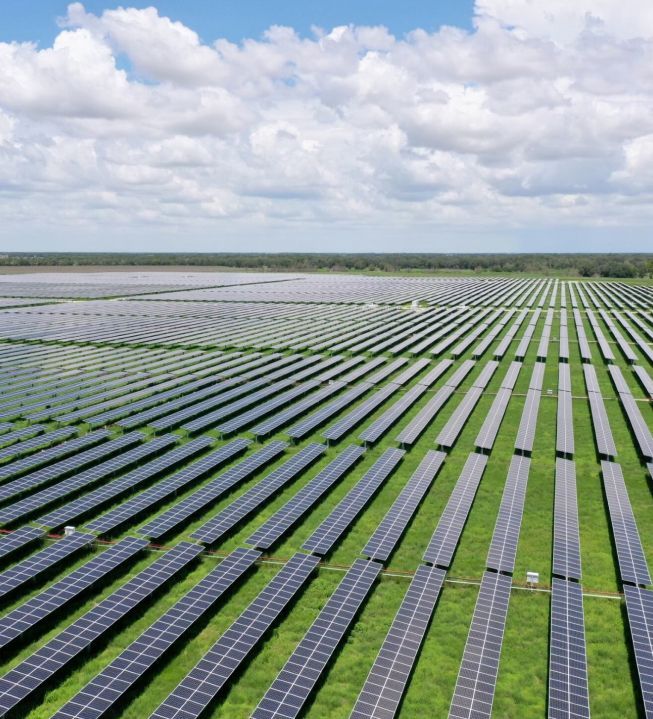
{"x":541,"y":115}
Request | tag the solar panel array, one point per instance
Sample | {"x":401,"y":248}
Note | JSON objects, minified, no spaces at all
{"x":503,"y":548}
{"x":275,"y":527}
{"x":30,"y":568}
{"x":207,"y":679}
{"x":101,"y":694}
{"x":346,"y":358}
{"x":568,"y":682}
{"x":566,"y":534}
{"x":474,"y":692}
{"x":27,"y":677}
{"x":382,"y":692}
{"x":443,"y":543}
{"x":205,"y":496}
{"x":290,"y":690}
{"x":639,"y":607}
{"x":18,"y":539}
{"x":393,"y":525}
{"x":113,"y":489}
{"x":229,"y":517}
{"x":130,"y":508}
{"x":37,"y":609}
{"x":338,"y":521}
{"x":630,"y":553}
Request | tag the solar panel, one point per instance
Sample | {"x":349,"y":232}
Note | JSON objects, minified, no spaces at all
{"x":290,"y":690}
{"x":461,"y":372}
{"x":265,"y":408}
{"x":490,"y":428}
{"x":564,"y":377}
{"x":38,"y":442}
{"x":65,"y":467}
{"x":416,"y":367}
{"x":205,"y":496}
{"x":357,"y":415}
{"x":130,"y":508}
{"x":445,"y":538}
{"x":602,"y":432}
{"x":51,"y":453}
{"x":30,"y":568}
{"x":411,"y":433}
{"x":278,"y":420}
{"x":565,"y":425}
{"x":110,"y":491}
{"x":591,"y":379}
{"x":326,"y":535}
{"x":205,"y":681}
{"x":566,"y":535}
{"x":101,"y":694}
{"x":392,"y":414}
{"x":528,"y":422}
{"x":537,"y":378}
{"x":618,"y":379}
{"x":18,"y":539}
{"x":38,"y":608}
{"x":393,"y":525}
{"x":381,"y":694}
{"x":275,"y":527}
{"x":630,"y":553}
{"x":209,"y":419}
{"x":503,"y":548}
{"x":474,"y":692}
{"x":433,"y":375}
{"x":235,"y":512}
{"x":31,"y":674}
{"x":568,"y":690}
{"x":641,"y":432}
{"x":20,"y":434}
{"x":386,"y":371}
{"x":639,"y":607}
{"x":644,"y":379}
{"x":305,"y":426}
{"x":451,"y":431}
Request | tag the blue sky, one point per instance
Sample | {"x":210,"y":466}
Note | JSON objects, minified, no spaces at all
{"x":36,"y":20}
{"x":505,"y":125}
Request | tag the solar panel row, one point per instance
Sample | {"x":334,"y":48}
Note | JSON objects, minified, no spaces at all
{"x":445,"y":538}
{"x":290,"y":690}
{"x":279,"y":523}
{"x":28,"y":569}
{"x":37,"y":609}
{"x":30,"y":675}
{"x":392,"y":526}
{"x":102,"y":693}
{"x":630,"y":553}
{"x":338,"y":521}
{"x":59,"y":470}
{"x":16,"y":540}
{"x":475,"y":686}
{"x":566,"y":535}
{"x":209,"y":676}
{"x":235,"y":512}
{"x":503,"y":548}
{"x":639,"y":608}
{"x":130,"y":508}
{"x":91,"y":501}
{"x":568,"y":685}
{"x":205,"y":496}
{"x":382,"y":692}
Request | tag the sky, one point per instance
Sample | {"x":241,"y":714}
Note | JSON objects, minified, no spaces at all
{"x":368,"y":125}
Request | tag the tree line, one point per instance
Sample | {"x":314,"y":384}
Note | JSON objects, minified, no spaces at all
{"x":622,"y":265}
